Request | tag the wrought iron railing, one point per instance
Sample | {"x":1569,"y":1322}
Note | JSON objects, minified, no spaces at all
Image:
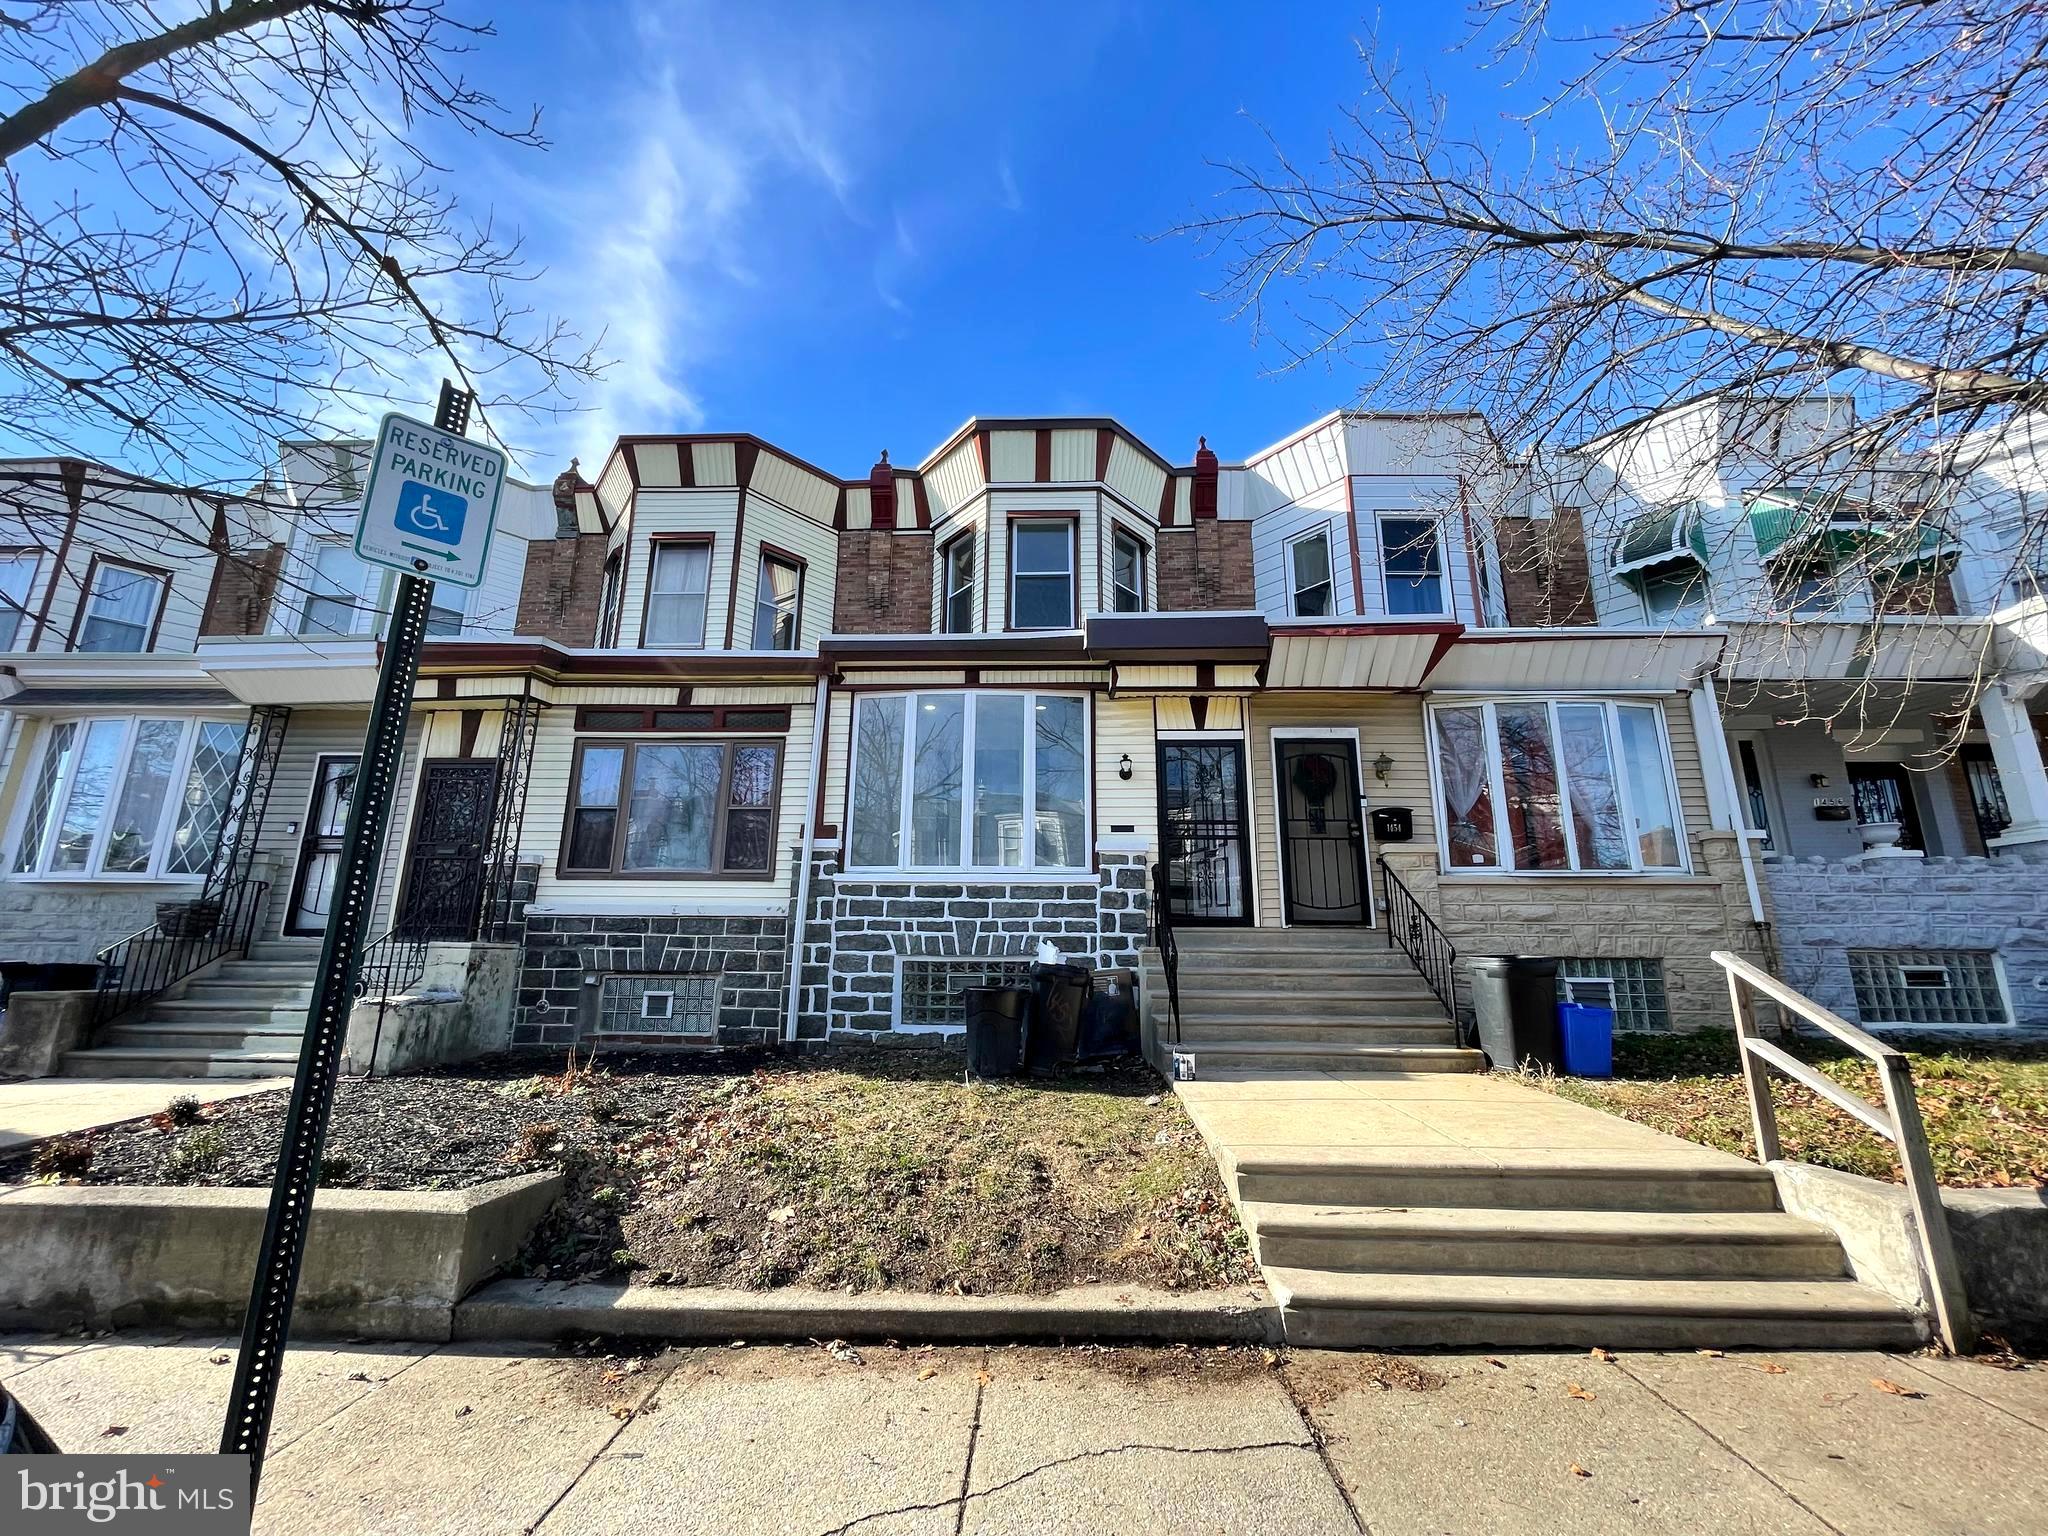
{"x":1898,"y":1122}
{"x":150,"y":961}
{"x":1169,"y":950}
{"x":393,"y":963}
{"x":1410,"y":926}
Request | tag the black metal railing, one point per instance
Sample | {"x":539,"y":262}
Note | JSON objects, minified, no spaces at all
{"x":1169,"y":950}
{"x":1411,"y":927}
{"x":150,"y":961}
{"x":393,"y":963}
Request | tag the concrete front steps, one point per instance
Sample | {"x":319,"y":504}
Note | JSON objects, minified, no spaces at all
{"x":244,"y":1018}
{"x":1304,"y":999}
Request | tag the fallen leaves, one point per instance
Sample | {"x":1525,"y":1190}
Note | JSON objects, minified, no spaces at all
{"x":1885,"y":1384}
{"x":1578,"y":1471}
{"x":928,"y":1373}
{"x":1772,"y":1368}
{"x":1573,"y":1389}
{"x":982,"y":1378}
{"x":1607,"y":1356}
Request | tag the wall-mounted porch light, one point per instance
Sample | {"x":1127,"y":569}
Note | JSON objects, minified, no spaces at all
{"x":1123,"y":766}
{"x":1381,"y":766}
{"x":1817,"y":780}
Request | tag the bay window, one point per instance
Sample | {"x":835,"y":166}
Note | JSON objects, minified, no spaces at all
{"x":1411,"y":563}
{"x":672,"y":807}
{"x":678,"y":592}
{"x":120,"y":798}
{"x":120,"y":609}
{"x":979,"y":781}
{"x":1555,"y":786}
{"x":1041,"y":574}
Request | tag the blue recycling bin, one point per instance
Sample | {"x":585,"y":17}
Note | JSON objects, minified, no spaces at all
{"x":1586,"y":1032}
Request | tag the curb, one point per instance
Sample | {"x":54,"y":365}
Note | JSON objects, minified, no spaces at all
{"x":541,"y":1309}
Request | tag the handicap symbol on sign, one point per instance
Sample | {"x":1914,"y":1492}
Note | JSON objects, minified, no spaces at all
{"x":431,"y":514}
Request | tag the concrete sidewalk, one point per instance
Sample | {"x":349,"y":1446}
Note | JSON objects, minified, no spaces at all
{"x":467,"y":1438}
{"x":55,"y":1106}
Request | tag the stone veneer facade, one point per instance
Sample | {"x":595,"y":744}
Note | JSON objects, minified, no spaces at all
{"x":1824,"y":910}
{"x":556,"y":1007}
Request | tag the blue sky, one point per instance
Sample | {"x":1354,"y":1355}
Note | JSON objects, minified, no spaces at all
{"x":849,"y":228}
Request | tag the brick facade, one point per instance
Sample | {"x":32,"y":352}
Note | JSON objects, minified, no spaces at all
{"x":557,"y":1007}
{"x":563,"y":589}
{"x":244,"y":586}
{"x":884,"y":583}
{"x":1545,"y":577}
{"x":1206,"y":566}
{"x":1824,"y":910}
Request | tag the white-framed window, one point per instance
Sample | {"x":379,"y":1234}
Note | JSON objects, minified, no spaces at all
{"x":1807,"y":588}
{"x":778,"y":595}
{"x":1555,"y":786}
{"x":1676,"y":598}
{"x":18,"y":569}
{"x":446,"y":610}
{"x":1041,"y":574}
{"x":608,"y":598}
{"x":1126,"y":572}
{"x":678,"y":591}
{"x":121,"y":607}
{"x":957,"y":575}
{"x":121,"y":797}
{"x":1311,"y":587}
{"x":337,"y":592}
{"x":1412,"y":564}
{"x":970,"y":780}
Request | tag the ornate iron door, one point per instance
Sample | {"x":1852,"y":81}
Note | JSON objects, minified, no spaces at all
{"x":1202,"y":831}
{"x":1322,"y":832}
{"x":444,"y":870}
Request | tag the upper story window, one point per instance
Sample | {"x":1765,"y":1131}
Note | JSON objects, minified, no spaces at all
{"x":678,"y":592}
{"x":1412,"y":564}
{"x":1041,"y":574}
{"x":1126,"y":573}
{"x":989,"y":780}
{"x":446,"y":610}
{"x":120,"y":798}
{"x":956,"y":564}
{"x":1677,"y":596}
{"x":17,"y":575}
{"x":1555,"y":786}
{"x":1806,"y":587}
{"x":673,"y":808}
{"x":608,"y":602}
{"x":778,"y":597}
{"x":1311,"y":594}
{"x":335,"y":601}
{"x":120,"y":608}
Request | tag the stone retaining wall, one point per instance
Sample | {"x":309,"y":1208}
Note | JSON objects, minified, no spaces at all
{"x":1824,"y":910}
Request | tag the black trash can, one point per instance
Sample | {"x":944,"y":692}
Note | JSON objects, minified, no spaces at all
{"x":1514,"y":1001}
{"x":995,"y":1029}
{"x":1061,"y":993}
{"x":1109,"y":1024}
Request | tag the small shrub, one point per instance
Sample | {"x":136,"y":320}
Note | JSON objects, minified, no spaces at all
{"x":535,"y":1140}
{"x":68,"y":1157}
{"x":337,"y":1168}
{"x":200,"y":1153}
{"x":183,"y":1109}
{"x":608,"y":1197}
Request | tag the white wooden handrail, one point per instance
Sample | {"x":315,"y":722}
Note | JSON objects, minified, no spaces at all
{"x":1898,"y":1121}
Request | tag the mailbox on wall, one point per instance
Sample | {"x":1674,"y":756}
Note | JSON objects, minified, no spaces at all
{"x":1392,"y":824}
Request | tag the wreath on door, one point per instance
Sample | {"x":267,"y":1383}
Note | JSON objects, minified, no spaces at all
{"x":1315,"y":776}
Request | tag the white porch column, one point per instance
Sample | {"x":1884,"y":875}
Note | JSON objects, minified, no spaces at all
{"x":2017,"y":752}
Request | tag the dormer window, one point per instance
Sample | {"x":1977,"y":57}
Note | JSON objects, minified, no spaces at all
{"x":1126,"y":573}
{"x":1411,"y":561}
{"x":1041,"y":575}
{"x":777,"y":595}
{"x":17,"y":574}
{"x":121,"y":609}
{"x":678,"y":592}
{"x":957,"y":573}
{"x":1676,"y":596}
{"x":1310,"y":592}
{"x":334,"y":595}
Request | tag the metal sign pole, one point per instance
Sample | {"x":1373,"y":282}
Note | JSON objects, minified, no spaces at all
{"x":267,"y":1325}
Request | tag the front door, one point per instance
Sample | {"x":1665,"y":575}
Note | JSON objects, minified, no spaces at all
{"x":444,"y":872}
{"x":1322,"y":831}
{"x":1882,"y":792}
{"x":320,"y":847}
{"x":1202,"y":831}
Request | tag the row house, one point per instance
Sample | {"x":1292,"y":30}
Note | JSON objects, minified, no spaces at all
{"x":1880,"y":687}
{"x":731,"y":749}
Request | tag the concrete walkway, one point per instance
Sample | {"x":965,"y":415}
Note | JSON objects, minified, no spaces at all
{"x":464,"y":1439}
{"x":55,"y":1106}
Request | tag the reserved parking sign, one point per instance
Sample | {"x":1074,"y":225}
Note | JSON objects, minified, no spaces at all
{"x":431,"y":502}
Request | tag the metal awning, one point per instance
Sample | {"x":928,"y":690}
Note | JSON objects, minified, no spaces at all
{"x":293,"y":669}
{"x":1575,"y":660}
{"x":1357,"y":655}
{"x":1806,"y":521}
{"x":1894,"y":648}
{"x":1667,"y":536}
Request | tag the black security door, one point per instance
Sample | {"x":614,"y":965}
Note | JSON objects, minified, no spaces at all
{"x":1202,"y":831}
{"x":1322,"y":833}
{"x":444,"y":872}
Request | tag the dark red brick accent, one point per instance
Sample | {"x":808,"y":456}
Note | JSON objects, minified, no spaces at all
{"x":562,"y":589}
{"x":1202,"y":494}
{"x":244,"y":586}
{"x":882,"y":493}
{"x":1206,"y":566}
{"x":885,"y":583}
{"x":1546,"y":581}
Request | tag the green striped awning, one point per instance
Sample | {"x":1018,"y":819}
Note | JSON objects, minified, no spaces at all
{"x":1661,"y":537}
{"x":1812,"y":521}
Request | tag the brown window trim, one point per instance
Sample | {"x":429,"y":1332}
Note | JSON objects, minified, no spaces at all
{"x":718,"y":713}
{"x":945,"y":586}
{"x":763,"y":552}
{"x":630,"y":746}
{"x":162,"y":576}
{"x":654,"y":542}
{"x":1011,"y":520}
{"x":611,"y":598}
{"x":1107,"y":576}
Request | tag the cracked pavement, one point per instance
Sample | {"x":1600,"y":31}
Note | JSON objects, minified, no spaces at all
{"x":885,"y":1441}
